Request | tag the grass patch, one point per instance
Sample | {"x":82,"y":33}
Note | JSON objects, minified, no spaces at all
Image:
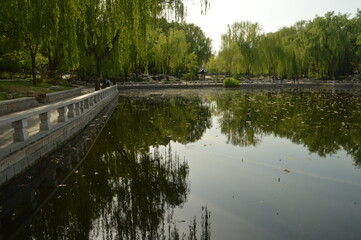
{"x":230,"y":82}
{"x":24,"y":88}
{"x":2,"y":96}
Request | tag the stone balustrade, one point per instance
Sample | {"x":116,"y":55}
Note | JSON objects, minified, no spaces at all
{"x":66,"y":110}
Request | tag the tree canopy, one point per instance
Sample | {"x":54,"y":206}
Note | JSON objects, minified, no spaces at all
{"x":325,"y":47}
{"x":95,"y":37}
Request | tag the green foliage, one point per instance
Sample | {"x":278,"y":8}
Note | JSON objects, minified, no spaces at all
{"x":95,"y":37}
{"x":325,"y":47}
{"x":230,"y":82}
{"x":170,"y":50}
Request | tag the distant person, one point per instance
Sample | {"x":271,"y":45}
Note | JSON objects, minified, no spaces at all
{"x":97,"y":85}
{"x":107,"y":83}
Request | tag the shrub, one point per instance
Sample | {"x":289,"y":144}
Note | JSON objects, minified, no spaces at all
{"x":190,"y":76}
{"x":230,"y":82}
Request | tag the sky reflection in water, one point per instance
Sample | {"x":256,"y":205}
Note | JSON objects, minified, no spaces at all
{"x":268,"y":165}
{"x":277,"y":189}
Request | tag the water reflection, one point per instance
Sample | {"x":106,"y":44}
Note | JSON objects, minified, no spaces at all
{"x":324,"y":121}
{"x":25,"y":196}
{"x":132,"y":180}
{"x":144,"y":122}
{"x":127,"y":189}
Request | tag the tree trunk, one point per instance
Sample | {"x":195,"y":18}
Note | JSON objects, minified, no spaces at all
{"x":52,"y":67}
{"x":99,"y":66}
{"x":33,"y":67}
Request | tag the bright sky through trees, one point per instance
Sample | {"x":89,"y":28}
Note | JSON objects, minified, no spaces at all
{"x":270,"y":14}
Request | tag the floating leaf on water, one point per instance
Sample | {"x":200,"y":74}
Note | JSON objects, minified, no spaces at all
{"x":289,"y":158}
{"x":286,"y":171}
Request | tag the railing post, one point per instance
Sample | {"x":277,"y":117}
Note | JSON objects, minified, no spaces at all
{"x":21,"y":133}
{"x":45,"y":123}
{"x":71,"y":112}
{"x":77,"y":109}
{"x":91,"y":101}
{"x":86,"y":104}
{"x":81,"y":106}
{"x":62,"y":116}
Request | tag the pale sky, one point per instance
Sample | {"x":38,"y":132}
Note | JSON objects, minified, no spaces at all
{"x":270,"y":14}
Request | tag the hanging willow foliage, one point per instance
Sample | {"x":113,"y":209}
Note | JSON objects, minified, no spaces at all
{"x":99,"y":37}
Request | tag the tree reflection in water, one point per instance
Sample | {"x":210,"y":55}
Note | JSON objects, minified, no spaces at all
{"x":324,"y":121}
{"x":127,"y":188}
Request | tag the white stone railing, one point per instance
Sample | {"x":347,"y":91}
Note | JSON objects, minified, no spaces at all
{"x":67,"y":110}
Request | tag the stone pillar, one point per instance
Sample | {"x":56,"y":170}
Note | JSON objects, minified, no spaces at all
{"x":91,"y":101}
{"x":45,"y":123}
{"x":21,"y":132}
{"x":77,"y":109}
{"x":62,"y":116}
{"x":81,"y":106}
{"x":71,"y":112}
{"x":86,"y":104}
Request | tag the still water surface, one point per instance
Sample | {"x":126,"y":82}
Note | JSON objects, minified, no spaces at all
{"x":217,"y":165}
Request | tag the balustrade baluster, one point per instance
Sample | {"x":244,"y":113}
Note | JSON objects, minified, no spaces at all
{"x":86,"y":103}
{"x":21,"y":132}
{"x":71,"y":112}
{"x":45,"y":123}
{"x":62,"y":114}
{"x":81,"y":106}
{"x":77,"y":109}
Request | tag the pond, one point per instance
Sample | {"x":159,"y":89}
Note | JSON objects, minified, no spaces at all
{"x":221,"y":164}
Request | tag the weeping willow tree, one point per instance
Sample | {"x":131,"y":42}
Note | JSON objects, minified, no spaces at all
{"x":97,"y":37}
{"x":116,"y":33}
{"x":325,"y":47}
{"x":28,"y":24}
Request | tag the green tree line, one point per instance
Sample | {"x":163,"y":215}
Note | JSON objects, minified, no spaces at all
{"x":98,"y":38}
{"x":325,"y":47}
